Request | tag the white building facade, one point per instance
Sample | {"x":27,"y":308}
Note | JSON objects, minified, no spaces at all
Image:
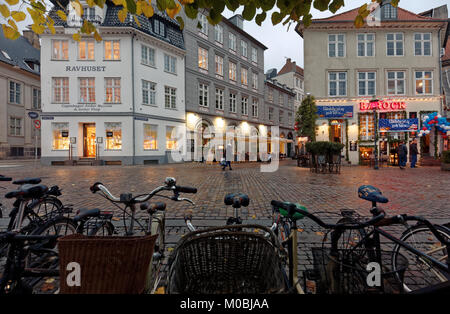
{"x":116,"y":101}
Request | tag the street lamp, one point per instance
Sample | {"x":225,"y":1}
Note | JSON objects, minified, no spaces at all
{"x":373,"y":105}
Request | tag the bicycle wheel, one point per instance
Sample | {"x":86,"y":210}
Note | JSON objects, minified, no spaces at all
{"x":420,"y":272}
{"x":154,"y":271}
{"x":349,"y":238}
{"x":102,"y":229}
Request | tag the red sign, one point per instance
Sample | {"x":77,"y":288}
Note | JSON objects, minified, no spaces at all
{"x":37,"y":124}
{"x":382,"y":105}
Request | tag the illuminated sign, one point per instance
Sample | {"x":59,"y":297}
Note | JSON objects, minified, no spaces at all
{"x":382,"y":105}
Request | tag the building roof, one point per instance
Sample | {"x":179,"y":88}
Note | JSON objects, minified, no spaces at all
{"x":174,"y":34}
{"x":18,"y":52}
{"x":446,"y":56}
{"x":277,"y":85}
{"x":290,"y":67}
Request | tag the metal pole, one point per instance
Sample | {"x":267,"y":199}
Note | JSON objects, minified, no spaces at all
{"x":373,"y":102}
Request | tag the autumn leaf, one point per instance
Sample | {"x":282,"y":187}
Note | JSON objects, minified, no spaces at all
{"x":160,"y":290}
{"x":10,"y":32}
{"x":300,"y":230}
{"x":122,"y":15}
{"x":359,"y":21}
{"x":137,"y":21}
{"x":4,"y":10}
{"x":115,"y":218}
{"x":47,"y":287}
{"x":97,"y":36}
{"x":12,"y":2}
{"x":319,"y":233}
{"x":181,"y":21}
{"x":77,"y":37}
{"x":139,"y":8}
{"x":170,"y":249}
{"x":62,"y":15}
{"x":37,"y":28}
{"x":50,"y":280}
{"x":51,"y":28}
{"x":172,"y":12}
{"x":147,"y":9}
{"x":90,"y":3}
{"x":18,"y":16}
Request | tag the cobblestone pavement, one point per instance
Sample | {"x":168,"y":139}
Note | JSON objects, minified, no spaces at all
{"x":422,"y":191}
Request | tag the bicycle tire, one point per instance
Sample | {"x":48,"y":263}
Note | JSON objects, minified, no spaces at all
{"x":105,"y":228}
{"x":153,"y":278}
{"x":416,"y":279}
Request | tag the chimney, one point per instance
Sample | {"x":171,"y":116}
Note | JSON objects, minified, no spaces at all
{"x":32,"y":38}
{"x":288,"y":60}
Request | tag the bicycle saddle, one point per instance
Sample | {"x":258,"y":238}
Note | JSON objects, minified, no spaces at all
{"x":28,"y":191}
{"x":83,"y":212}
{"x":236,"y":200}
{"x":28,"y":181}
{"x":372,"y":194}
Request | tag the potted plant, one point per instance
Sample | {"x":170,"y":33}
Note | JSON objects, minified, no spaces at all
{"x":445,"y":160}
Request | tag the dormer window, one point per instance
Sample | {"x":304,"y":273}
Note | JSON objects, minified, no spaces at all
{"x":33,"y":65}
{"x":388,"y":12}
{"x":88,"y":13}
{"x":159,"y":28}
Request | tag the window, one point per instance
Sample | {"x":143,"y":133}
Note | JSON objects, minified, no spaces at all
{"x":366,"y":45}
{"x":113,"y":132}
{"x":87,"y":90}
{"x":394,"y":44}
{"x":280,"y":98}
{"x":219,"y":99}
{"x":86,"y":50}
{"x":244,"y":76}
{"x":15,"y":92}
{"x":422,"y":44}
{"x":112,"y":50}
{"x":244,"y":108}
{"x":159,"y":28}
{"x":170,"y":64}
{"x":255,"y":107}
{"x":203,"y":95}
{"x":270,"y":96}
{"x":297,"y":82}
{"x":15,"y":126}
{"x":60,"y":131}
{"x":148,"y":93}
{"x":150,"y":137}
{"x":88,"y":13}
{"x":280,"y":117}
{"x":171,"y":142}
{"x":203,"y":58}
{"x":60,"y":90}
{"x":232,"y":71}
{"x":232,"y":41}
{"x":170,"y":97}
{"x":204,"y":23}
{"x":147,"y":55}
{"x":243,"y":48}
{"x":270,"y":114}
{"x":255,"y":80}
{"x":112,"y":90}
{"x":396,"y":82}
{"x":219,"y":65}
{"x":366,"y":83}
{"x":232,"y":102}
{"x":336,"y":45}
{"x":337,"y":83}
{"x":60,"y":49}
{"x":388,"y":12}
{"x":36,"y":98}
{"x":424,"y":82}
{"x":218,"y":33}
{"x":366,"y":127}
{"x":254,"y":55}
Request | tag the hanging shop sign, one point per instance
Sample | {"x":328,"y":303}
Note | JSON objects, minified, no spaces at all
{"x":353,"y":145}
{"x":335,"y":112}
{"x":398,"y":125}
{"x":382,"y":105}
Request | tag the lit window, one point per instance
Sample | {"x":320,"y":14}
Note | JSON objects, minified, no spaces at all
{"x":203,"y":95}
{"x":60,"y":90}
{"x":219,"y":65}
{"x":232,"y":71}
{"x":112,"y":50}
{"x":336,"y":45}
{"x":60,"y":49}
{"x":171,"y":141}
{"x":87,"y":90}
{"x":170,"y":97}
{"x":203,"y":58}
{"x":422,"y":44}
{"x":424,"y":82}
{"x":60,"y":136}
{"x":15,"y":91}
{"x":147,"y":55}
{"x":366,"y":127}
{"x":86,"y":50}
{"x":148,"y":93}
{"x":113,"y":135}
{"x":112,"y":90}
{"x":150,"y":137}
{"x":244,"y":76}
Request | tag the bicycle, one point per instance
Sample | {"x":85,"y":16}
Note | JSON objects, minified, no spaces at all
{"x":156,"y":222}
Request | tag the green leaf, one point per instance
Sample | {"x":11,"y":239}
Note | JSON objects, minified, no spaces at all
{"x":321,"y":5}
{"x":232,"y":5}
{"x":191,"y":11}
{"x":249,"y":11}
{"x":362,"y":8}
{"x":276,"y":18}
{"x":181,"y":21}
{"x":307,"y":19}
{"x":214,"y":17}
{"x":260,"y":18}
{"x":218,"y":5}
{"x":4,"y":11}
{"x":267,"y":5}
{"x":131,"y":6}
{"x":336,"y":5}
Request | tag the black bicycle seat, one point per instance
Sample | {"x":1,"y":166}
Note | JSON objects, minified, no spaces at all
{"x":372,"y":194}
{"x":28,"y":191}
{"x":28,"y":181}
{"x":83,"y":212}
{"x":236,"y":200}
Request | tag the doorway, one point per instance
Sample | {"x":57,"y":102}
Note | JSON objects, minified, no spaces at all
{"x":89,"y":147}
{"x":336,"y":133}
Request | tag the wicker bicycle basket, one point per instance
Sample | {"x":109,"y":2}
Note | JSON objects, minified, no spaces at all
{"x":231,"y":259}
{"x":107,"y":264}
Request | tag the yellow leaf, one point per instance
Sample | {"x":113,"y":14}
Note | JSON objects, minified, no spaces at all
{"x":122,"y":15}
{"x":50,"y":21}
{"x":147,"y":9}
{"x":77,"y":37}
{"x":300,"y":230}
{"x":320,"y":233}
{"x":160,"y":290}
{"x":38,"y":28}
{"x":13,"y":24}
{"x":138,"y":8}
{"x":254,"y":217}
{"x":51,"y":28}
{"x":18,"y":16}
{"x":97,"y":36}
{"x":50,"y":280}
{"x":136,"y":20}
{"x":90,"y":3}
{"x":62,"y":15}
{"x":118,"y":2}
{"x":12,"y":2}
{"x":78,"y":7}
{"x":256,"y":230}
{"x":170,"y":249}
{"x":183,"y":2}
{"x":4,"y":10}
{"x":10,"y":32}
{"x":173,"y":12}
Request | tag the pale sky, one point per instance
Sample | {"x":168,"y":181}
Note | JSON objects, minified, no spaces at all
{"x":284,"y":44}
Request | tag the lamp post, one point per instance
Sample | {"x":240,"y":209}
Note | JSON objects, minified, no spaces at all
{"x":373,"y":105}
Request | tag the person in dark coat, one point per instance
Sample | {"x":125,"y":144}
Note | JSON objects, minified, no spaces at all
{"x":402,"y":155}
{"x":413,"y":151}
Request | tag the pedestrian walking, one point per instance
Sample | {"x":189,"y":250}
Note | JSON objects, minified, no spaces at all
{"x":413,"y":151}
{"x":402,"y":155}
{"x":228,"y":156}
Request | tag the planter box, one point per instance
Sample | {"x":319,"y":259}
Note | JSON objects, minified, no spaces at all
{"x":445,"y":167}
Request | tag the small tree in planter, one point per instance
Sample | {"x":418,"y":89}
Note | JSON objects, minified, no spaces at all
{"x":306,"y":118}
{"x":445,"y":160}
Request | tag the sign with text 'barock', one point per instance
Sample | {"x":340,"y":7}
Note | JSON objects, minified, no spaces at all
{"x":382,"y":105}
{"x":335,"y":112}
{"x":398,"y":125}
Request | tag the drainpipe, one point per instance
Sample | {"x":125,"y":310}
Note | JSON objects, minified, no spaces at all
{"x":132,"y":88}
